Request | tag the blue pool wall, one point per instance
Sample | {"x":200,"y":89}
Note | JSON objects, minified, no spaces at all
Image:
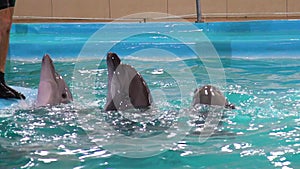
{"x":272,"y":38}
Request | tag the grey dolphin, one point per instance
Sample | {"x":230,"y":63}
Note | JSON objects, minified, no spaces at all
{"x":126,"y":87}
{"x":210,"y":95}
{"x":52,"y":89}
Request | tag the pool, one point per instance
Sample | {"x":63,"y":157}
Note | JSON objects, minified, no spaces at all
{"x":256,"y":64}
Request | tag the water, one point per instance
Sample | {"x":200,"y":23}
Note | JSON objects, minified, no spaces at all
{"x":263,"y":132}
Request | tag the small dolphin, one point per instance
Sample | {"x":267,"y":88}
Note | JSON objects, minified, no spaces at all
{"x":209,"y":119}
{"x":210,"y":95}
{"x":126,"y":87}
{"x":52,"y":89}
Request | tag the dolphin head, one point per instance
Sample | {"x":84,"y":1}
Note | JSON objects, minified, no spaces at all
{"x":126,"y":87}
{"x":52,"y":89}
{"x":113,"y":61}
{"x":210,"y":95}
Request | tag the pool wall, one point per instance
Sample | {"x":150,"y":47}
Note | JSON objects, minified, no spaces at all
{"x":277,"y":38}
{"x":112,"y":9}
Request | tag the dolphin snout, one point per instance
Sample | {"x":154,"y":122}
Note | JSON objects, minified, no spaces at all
{"x":47,"y":59}
{"x":113,"y":61}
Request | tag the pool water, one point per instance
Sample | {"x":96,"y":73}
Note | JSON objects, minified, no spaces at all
{"x":261,"y":77}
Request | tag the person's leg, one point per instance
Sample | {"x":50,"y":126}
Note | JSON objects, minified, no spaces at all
{"x":5,"y":25}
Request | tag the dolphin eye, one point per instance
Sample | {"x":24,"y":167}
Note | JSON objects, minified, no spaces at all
{"x":64,"y":95}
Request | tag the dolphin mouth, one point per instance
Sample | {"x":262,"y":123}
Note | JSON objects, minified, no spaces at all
{"x":113,"y":60}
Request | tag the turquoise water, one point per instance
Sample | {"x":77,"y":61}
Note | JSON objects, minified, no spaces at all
{"x":259,"y":73}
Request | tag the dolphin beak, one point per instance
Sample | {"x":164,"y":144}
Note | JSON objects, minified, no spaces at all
{"x":48,"y":69}
{"x":113,"y":60}
{"x":47,"y":60}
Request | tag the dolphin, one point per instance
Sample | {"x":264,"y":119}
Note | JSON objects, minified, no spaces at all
{"x":52,"y":89}
{"x":126,"y":87}
{"x":210,"y":95}
{"x":209,"y":119}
